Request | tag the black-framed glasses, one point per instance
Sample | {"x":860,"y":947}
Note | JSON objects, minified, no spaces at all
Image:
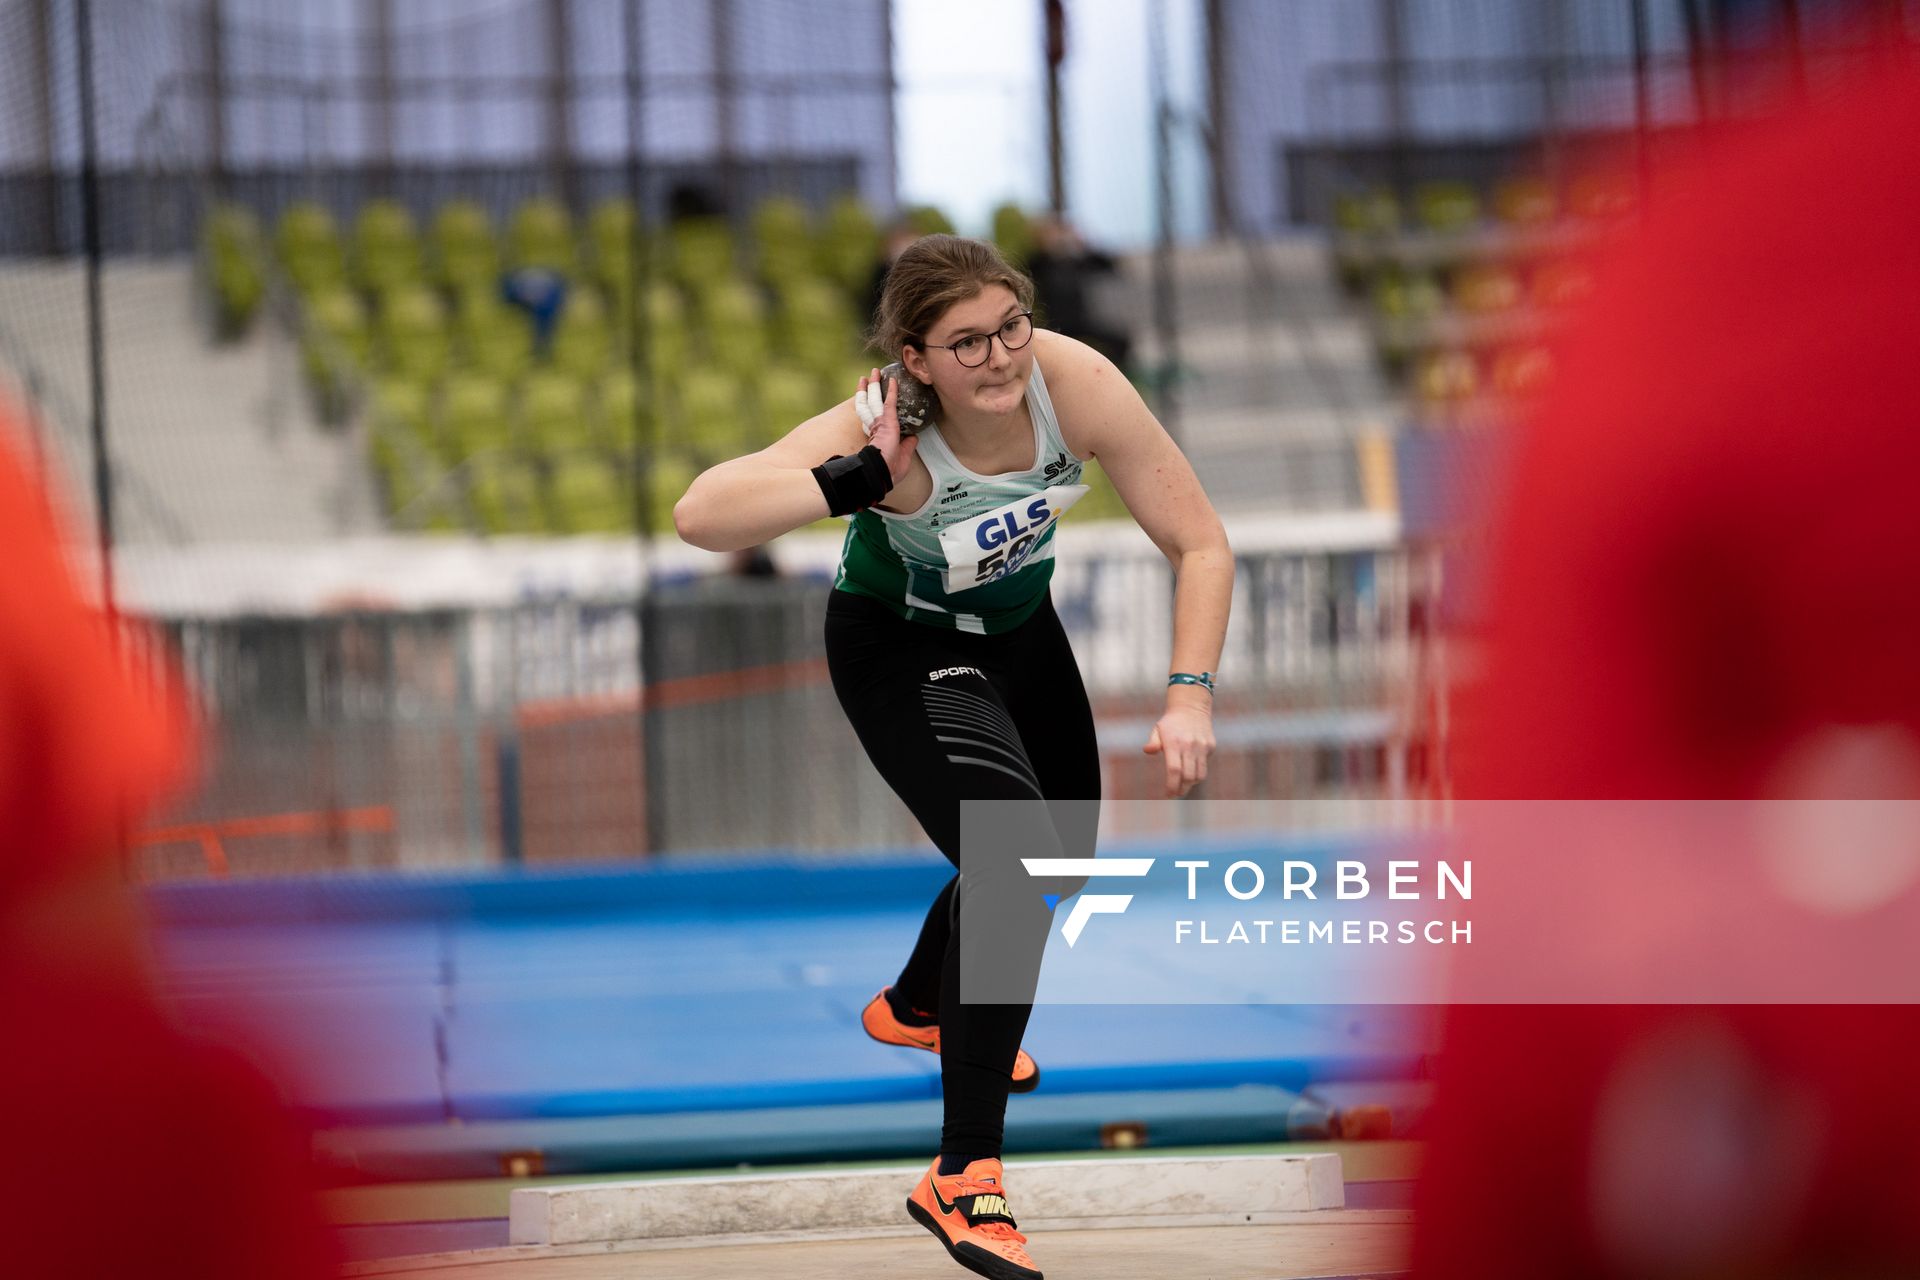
{"x":972,"y":351}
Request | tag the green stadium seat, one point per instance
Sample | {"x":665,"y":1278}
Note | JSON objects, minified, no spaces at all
{"x":386,"y":248}
{"x":1408,"y":296}
{"x":474,"y":417}
{"x":1487,"y":288}
{"x":783,"y":240}
{"x":401,"y":481}
{"x":699,"y":252}
{"x":234,"y":265}
{"x":495,"y":339}
{"x":582,"y":337}
{"x":1406,"y":304}
{"x":1103,"y":500}
{"x":232,"y":226}
{"x":621,"y":414}
{"x":711,"y":416}
{"x":465,"y":252}
{"x":781,"y":262}
{"x":617,"y":297}
{"x":789,"y":394}
{"x":667,"y":328}
{"x":815,"y":326}
{"x":1445,"y":379}
{"x":849,"y":246}
{"x":1526,"y":202}
{"x":1013,"y":233}
{"x":309,"y":247}
{"x":400,"y":428}
{"x":338,"y":315}
{"x":610,"y":235}
{"x":667,"y":482}
{"x":506,"y":494}
{"x":734,"y":318}
{"x":927,"y":220}
{"x":412,"y":333}
{"x":842,"y":382}
{"x":405,"y":406}
{"x":1360,"y":219}
{"x":334,"y":346}
{"x":553,"y":413}
{"x":1447,"y":207}
{"x":781,"y":218}
{"x":589,"y":496}
{"x":1374,"y":212}
{"x":541,"y":235}
{"x":473,"y":293}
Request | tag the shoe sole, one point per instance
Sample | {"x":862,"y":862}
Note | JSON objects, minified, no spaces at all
{"x":1028,"y":1085}
{"x":970,"y":1256}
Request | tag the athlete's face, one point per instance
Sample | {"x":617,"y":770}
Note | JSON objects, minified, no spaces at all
{"x":996,"y":385}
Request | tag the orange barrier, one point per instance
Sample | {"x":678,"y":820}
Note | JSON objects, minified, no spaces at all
{"x":685,"y":691}
{"x":209,"y":835}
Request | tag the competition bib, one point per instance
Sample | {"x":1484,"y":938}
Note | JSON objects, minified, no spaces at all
{"x":996,"y":543}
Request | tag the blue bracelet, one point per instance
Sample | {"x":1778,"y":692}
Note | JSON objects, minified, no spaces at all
{"x":1204,"y":679}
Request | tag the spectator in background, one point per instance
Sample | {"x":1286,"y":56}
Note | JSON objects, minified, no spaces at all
{"x":1062,"y":267}
{"x":691,"y":200}
{"x":541,"y":292}
{"x":752,"y":562}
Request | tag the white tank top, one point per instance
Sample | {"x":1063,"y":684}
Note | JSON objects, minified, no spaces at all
{"x":978,"y":553}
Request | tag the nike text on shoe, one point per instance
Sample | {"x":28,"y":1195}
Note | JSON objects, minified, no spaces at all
{"x":967,"y":1212}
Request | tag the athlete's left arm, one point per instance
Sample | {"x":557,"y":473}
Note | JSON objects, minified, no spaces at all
{"x":1103,"y":416}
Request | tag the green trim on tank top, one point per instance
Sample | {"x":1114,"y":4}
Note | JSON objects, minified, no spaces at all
{"x":897,"y":558}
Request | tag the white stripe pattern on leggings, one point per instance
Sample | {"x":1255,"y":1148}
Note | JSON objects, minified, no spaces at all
{"x":964,"y":716}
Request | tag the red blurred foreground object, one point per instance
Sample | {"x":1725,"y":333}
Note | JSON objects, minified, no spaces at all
{"x":130,"y":1151}
{"x":1704,"y":587}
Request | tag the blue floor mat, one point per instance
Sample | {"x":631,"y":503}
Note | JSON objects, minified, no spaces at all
{"x":613,"y":1004}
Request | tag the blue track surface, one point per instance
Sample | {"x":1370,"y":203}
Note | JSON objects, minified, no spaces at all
{"x":713,"y":1000}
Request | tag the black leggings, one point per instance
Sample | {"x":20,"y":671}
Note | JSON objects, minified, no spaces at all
{"x":945,"y":716}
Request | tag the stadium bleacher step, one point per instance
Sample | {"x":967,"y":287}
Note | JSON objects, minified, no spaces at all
{"x":1052,"y":1194}
{"x":1274,"y":377}
{"x":214,"y":443}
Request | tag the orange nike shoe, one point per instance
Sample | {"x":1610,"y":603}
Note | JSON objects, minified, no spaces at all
{"x":880,"y":1023}
{"x":967,"y":1212}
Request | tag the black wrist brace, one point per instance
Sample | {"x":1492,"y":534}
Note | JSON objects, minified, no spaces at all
{"x":854,"y":483}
